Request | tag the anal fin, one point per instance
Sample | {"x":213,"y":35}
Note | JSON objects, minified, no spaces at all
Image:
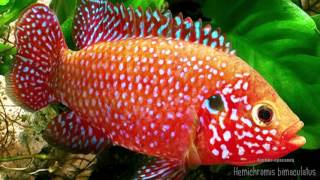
{"x":71,"y":132}
{"x":162,"y":169}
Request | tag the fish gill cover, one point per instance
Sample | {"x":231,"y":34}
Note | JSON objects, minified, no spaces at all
{"x":276,"y":37}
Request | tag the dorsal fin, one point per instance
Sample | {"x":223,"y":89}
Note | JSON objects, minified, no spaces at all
{"x":99,"y":20}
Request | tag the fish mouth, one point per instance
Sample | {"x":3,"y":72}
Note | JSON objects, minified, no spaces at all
{"x":290,"y":135}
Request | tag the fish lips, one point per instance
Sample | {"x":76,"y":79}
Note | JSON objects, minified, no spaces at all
{"x":290,"y":135}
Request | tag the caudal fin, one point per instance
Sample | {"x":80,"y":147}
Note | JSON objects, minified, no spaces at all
{"x":39,"y":41}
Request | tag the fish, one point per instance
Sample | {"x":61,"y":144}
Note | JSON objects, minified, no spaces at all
{"x":161,"y":85}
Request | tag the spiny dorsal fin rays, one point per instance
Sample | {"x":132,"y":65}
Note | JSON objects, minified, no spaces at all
{"x":98,"y":21}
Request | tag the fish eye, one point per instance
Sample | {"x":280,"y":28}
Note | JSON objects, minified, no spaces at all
{"x":214,"y":104}
{"x":262,"y":114}
{"x":265,"y":114}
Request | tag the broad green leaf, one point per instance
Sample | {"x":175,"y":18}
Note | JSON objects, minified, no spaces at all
{"x":7,"y":53}
{"x":3,"y":31}
{"x":154,"y":4}
{"x":4,"y":2}
{"x":282,"y":42}
{"x":316,"y":19}
{"x":6,"y":50}
{"x":5,"y":5}
{"x":297,"y":2}
{"x":66,"y":28}
{"x":64,"y":9}
{"x":14,"y":11}
{"x":9,"y":12}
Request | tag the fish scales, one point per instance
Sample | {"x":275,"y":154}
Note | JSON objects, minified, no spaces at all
{"x":128,"y":84}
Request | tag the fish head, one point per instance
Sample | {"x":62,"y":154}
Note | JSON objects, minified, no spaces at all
{"x":246,"y":122}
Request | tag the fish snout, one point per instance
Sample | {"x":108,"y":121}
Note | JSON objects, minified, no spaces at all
{"x":290,"y":135}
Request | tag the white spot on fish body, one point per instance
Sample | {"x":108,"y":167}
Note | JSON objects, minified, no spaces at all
{"x":238,"y":126}
{"x":244,"y":134}
{"x":225,"y":152}
{"x":241,"y":150}
{"x":265,"y":131}
{"x":273,"y":132}
{"x":227,"y":136}
{"x":238,"y":84}
{"x":266,"y":146}
{"x":259,"y":137}
{"x":215,"y":135}
{"x":250,"y":145}
{"x":234,"y":114}
{"x":246,"y":121}
{"x":245,"y":86}
{"x":215,"y":152}
{"x":221,"y":119}
{"x":269,"y":139}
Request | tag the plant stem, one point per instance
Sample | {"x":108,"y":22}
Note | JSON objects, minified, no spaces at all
{"x":16,"y":158}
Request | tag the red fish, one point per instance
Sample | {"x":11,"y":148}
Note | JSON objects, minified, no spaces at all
{"x":160,"y":85}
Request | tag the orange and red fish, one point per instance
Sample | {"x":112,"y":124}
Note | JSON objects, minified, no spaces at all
{"x":160,"y":85}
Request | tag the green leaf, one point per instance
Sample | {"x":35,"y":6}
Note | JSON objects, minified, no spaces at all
{"x":6,"y":50}
{"x":4,"y":2}
{"x":281,"y":41}
{"x":10,"y":11}
{"x":7,"y":53}
{"x":5,"y":5}
{"x":14,"y":11}
{"x":66,"y":28}
{"x":316,"y":19}
{"x":154,"y":4}
{"x":64,"y":9}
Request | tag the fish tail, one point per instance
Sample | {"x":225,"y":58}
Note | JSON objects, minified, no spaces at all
{"x":39,"y":43}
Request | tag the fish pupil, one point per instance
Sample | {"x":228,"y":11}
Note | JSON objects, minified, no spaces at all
{"x":215,"y":102}
{"x":265,"y":114}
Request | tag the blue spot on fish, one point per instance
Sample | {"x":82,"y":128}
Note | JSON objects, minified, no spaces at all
{"x":90,"y":131}
{"x":178,"y":20}
{"x":86,"y":143}
{"x":213,"y":44}
{"x":221,"y":40}
{"x":83,"y":132}
{"x":101,"y":140}
{"x":93,"y":140}
{"x":25,"y":69}
{"x":214,"y":34}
